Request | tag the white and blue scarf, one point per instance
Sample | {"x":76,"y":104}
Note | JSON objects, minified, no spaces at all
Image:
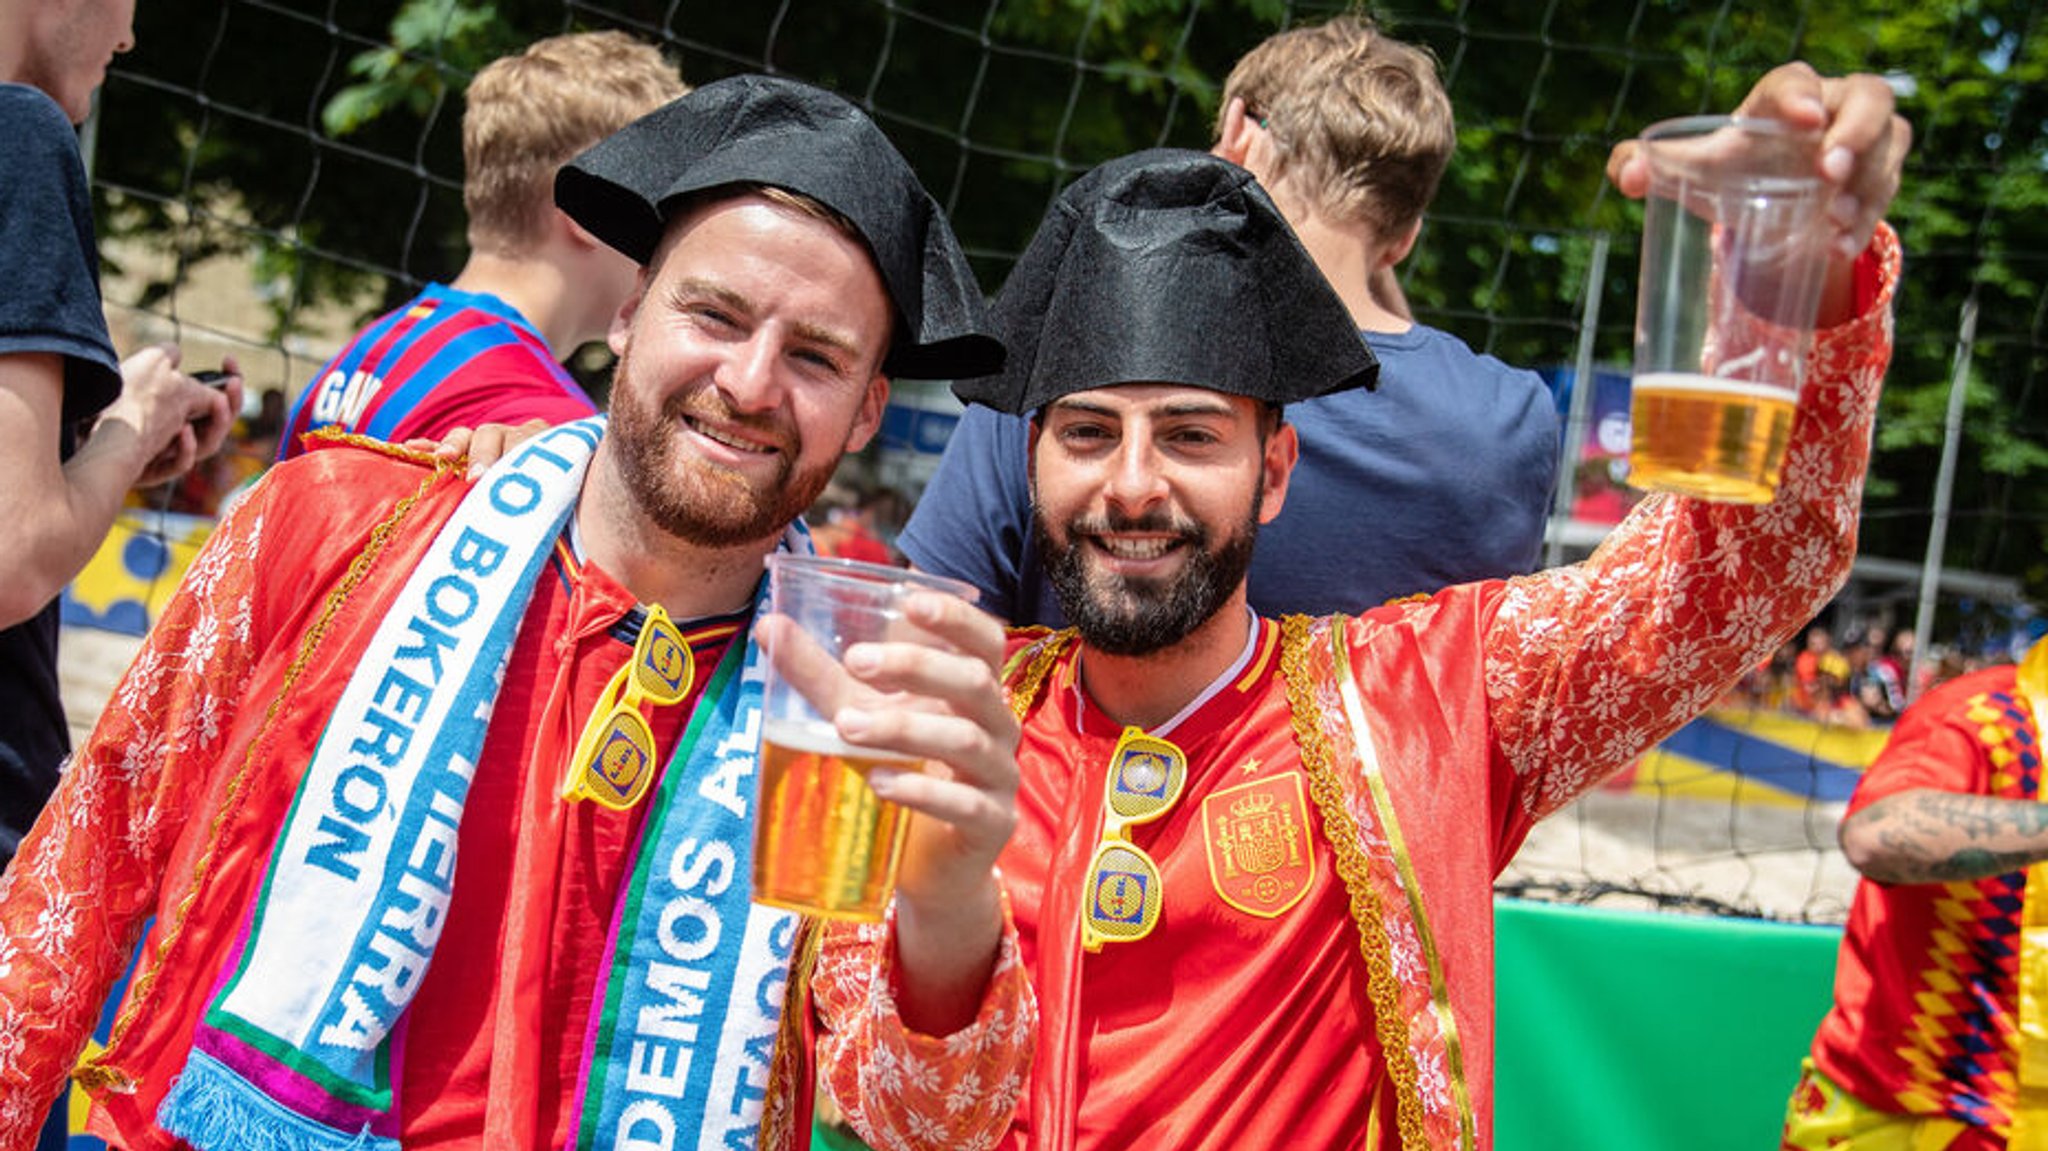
{"x":295,"y":1051}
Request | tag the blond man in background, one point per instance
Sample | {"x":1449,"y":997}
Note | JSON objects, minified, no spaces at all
{"x":489,"y":345}
{"x":1350,"y":131}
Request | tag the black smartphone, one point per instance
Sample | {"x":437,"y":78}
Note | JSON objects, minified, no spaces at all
{"x":213,"y":378}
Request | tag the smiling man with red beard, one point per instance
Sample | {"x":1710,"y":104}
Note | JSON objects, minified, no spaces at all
{"x":380,"y":665}
{"x":1254,"y":857}
{"x":740,"y":382}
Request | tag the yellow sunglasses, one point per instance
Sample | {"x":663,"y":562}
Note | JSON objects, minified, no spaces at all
{"x":1124,"y":890}
{"x":614,"y":758}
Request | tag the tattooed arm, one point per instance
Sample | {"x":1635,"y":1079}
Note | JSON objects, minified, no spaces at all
{"x":1932,"y":836}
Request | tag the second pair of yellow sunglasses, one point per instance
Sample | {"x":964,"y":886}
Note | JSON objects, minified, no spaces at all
{"x":1124,"y":891}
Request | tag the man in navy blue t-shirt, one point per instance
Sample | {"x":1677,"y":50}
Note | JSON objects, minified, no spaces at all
{"x":59,"y":490}
{"x":1442,"y":476}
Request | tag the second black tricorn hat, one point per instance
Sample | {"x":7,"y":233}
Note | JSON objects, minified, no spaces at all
{"x":771,"y":131}
{"x":1169,"y":266}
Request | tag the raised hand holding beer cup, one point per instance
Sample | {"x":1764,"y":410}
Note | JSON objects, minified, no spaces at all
{"x":1752,"y":225}
{"x":881,"y":699}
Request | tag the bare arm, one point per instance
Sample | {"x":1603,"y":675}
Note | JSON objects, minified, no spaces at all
{"x":57,"y":512}
{"x":1932,"y":836}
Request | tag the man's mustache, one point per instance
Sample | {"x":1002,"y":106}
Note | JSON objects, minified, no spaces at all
{"x":1158,"y":521}
{"x":700,"y":405}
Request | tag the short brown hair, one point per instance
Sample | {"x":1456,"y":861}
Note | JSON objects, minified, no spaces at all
{"x":1360,"y":121}
{"x":813,"y":207}
{"x":530,"y":113}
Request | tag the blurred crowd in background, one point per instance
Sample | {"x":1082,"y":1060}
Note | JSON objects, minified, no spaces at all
{"x":1856,"y":677}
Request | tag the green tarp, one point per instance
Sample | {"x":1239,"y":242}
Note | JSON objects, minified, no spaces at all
{"x":1631,"y":1030}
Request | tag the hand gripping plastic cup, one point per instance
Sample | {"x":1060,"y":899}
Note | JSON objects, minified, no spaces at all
{"x":824,"y":842}
{"x":1733,"y":264}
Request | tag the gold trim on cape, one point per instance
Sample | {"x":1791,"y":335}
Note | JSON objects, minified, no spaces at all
{"x":1376,"y":780}
{"x":1036,"y":659}
{"x":791,"y":1061}
{"x":1354,"y":868}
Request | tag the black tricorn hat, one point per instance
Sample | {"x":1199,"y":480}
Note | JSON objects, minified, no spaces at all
{"x":1169,"y":266}
{"x":770,"y":131}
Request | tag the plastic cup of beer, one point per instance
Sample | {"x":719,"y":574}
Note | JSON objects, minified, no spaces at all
{"x":1733,"y":264}
{"x":824,"y":842}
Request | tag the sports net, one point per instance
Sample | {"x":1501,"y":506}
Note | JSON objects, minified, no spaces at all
{"x":270,"y":172}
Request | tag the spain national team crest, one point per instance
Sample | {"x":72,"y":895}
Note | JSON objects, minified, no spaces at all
{"x":1261,"y":859}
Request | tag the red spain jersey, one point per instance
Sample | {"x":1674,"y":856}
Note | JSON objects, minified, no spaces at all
{"x":1183,"y":1023}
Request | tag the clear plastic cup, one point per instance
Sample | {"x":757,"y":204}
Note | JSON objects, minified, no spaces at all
{"x":1733,"y":264}
{"x":824,"y":842}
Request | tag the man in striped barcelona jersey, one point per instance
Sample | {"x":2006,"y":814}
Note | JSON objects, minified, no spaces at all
{"x":489,"y":346}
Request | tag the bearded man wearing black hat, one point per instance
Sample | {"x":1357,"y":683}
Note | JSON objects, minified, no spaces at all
{"x":1253,"y":864}
{"x":379,"y":664}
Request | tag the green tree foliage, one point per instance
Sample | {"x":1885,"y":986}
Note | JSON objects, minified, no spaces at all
{"x":325,"y":135}
{"x":1972,"y":216}
{"x":212,"y":139}
{"x":436,"y":45}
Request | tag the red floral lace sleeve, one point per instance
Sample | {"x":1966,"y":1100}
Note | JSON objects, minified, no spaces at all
{"x":74,"y":901}
{"x":1587,"y":666}
{"x":901,"y":1090}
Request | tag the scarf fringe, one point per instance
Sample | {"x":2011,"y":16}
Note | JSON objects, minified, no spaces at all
{"x":209,"y":1106}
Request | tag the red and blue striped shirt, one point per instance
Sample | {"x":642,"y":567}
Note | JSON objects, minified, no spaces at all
{"x":445,"y":360}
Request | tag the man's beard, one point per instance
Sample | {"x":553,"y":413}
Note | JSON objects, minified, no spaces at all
{"x":1124,"y":616}
{"x":695,"y":501}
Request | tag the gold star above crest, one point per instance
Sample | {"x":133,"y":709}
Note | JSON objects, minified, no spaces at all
{"x":1251,"y":766}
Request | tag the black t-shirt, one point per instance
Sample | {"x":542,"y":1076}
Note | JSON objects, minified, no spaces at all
{"x":49,"y":302}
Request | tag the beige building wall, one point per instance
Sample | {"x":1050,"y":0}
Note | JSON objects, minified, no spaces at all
{"x":220,"y":309}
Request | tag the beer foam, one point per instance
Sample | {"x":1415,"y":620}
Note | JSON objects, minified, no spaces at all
{"x":1694,"y":383}
{"x":817,"y":737}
